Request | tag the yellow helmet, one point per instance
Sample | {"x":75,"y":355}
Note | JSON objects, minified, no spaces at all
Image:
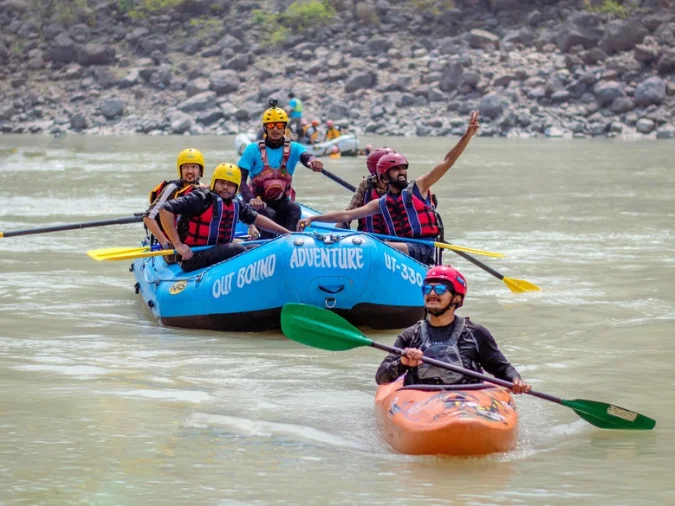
{"x":190,"y":155}
{"x":227,"y":172}
{"x":274,"y":114}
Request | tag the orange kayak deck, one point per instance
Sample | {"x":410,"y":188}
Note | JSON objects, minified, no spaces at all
{"x":447,"y":422}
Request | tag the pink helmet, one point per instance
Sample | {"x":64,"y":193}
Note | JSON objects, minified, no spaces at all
{"x":329,"y":123}
{"x":449,"y":276}
{"x":389,"y":161}
{"x":374,"y":156}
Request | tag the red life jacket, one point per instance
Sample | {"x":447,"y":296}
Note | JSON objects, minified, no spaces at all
{"x":374,"y":223}
{"x":271,"y":183}
{"x":182,"y":189}
{"x":409,"y":214}
{"x":216,"y":225}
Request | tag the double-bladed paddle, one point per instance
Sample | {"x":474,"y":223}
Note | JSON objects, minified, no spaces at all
{"x":320,"y":328}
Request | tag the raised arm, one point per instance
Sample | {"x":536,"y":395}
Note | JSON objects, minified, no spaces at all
{"x":372,"y":207}
{"x":427,"y":180}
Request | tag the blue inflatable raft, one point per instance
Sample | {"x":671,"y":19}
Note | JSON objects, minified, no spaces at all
{"x":354,"y":274}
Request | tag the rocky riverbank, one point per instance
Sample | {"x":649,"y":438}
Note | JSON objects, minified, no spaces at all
{"x":532,"y":68}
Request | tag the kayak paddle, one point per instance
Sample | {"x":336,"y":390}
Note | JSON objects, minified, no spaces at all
{"x":320,"y":328}
{"x":114,"y":254}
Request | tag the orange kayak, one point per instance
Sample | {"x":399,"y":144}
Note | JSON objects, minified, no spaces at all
{"x":449,"y":420}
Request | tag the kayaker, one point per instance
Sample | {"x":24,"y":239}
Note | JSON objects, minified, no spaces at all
{"x":446,"y":337}
{"x":270,"y":164}
{"x":190,"y":166}
{"x":294,"y":113}
{"x":370,"y":188}
{"x":332,"y":132}
{"x":407,"y":209}
{"x":209,"y":216}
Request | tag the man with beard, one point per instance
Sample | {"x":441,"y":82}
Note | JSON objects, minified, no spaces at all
{"x":407,"y":209}
{"x":190,"y":165}
{"x":446,"y":337}
{"x":209,"y":217}
{"x":271,"y":163}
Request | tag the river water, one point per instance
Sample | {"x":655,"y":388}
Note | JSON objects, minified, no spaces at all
{"x":101,"y":406}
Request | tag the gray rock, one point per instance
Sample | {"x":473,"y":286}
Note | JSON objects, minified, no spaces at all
{"x":491,"y":106}
{"x":95,"y":54}
{"x":7,"y":111}
{"x":435,"y":95}
{"x":666,"y":63}
{"x":79,"y":33}
{"x":200,"y":102}
{"x":645,"y":53}
{"x":644,"y":126}
{"x":482,"y":39}
{"x":180,"y":122}
{"x":62,"y":50}
{"x":36,"y":62}
{"x":650,"y":91}
{"x":224,"y":82}
{"x":450,"y":77}
{"x":667,"y":132}
{"x":593,"y":56}
{"x":622,"y":35}
{"x":339,"y":110}
{"x":377,"y":46}
{"x":365,"y":80}
{"x":469,"y":79}
{"x":130,"y":80}
{"x":78,"y":122}
{"x":606,"y":91}
{"x":147,"y":45}
{"x":210,"y":117}
{"x":112,"y":108}
{"x":534,"y":18}
{"x":4,"y":53}
{"x":406,"y":100}
{"x":198,"y":85}
{"x":560,"y":96}
{"x":238,"y":62}
{"x":232,"y":42}
{"x":622,"y":105}
{"x":570,"y":35}
{"x":104,"y":77}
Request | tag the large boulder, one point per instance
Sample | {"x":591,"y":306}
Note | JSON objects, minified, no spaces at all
{"x":62,"y":49}
{"x":112,"y":108}
{"x":147,"y":45}
{"x":451,"y":77}
{"x":582,"y":28}
{"x":196,"y":86}
{"x":650,"y":91}
{"x":482,"y":39}
{"x":199,"y":102}
{"x":224,"y":82}
{"x":491,"y":106}
{"x":606,"y":91}
{"x":622,"y":35}
{"x":365,"y":80}
{"x":95,"y":54}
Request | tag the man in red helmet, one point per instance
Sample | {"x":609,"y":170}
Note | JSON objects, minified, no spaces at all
{"x":406,"y":209}
{"x":371,"y":188}
{"x":446,"y":337}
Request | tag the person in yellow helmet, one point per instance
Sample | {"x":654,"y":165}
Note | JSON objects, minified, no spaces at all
{"x":209,"y":216}
{"x":190,"y":166}
{"x":270,"y":164}
{"x":332,"y":132}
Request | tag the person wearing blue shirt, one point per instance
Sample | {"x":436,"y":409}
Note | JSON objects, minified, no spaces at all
{"x":270,"y":163}
{"x":295,"y":114}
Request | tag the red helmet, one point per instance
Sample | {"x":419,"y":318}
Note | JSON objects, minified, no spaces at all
{"x":374,"y":156}
{"x":329,"y":123}
{"x":315,"y":122}
{"x":389,"y":161}
{"x":449,"y":276}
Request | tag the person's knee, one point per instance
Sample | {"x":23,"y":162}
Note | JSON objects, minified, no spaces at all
{"x":294,"y":211}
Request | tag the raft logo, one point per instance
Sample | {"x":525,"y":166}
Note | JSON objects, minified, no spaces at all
{"x":256,"y":271}
{"x":336,"y":258}
{"x":178,"y":287}
{"x":407,"y":273}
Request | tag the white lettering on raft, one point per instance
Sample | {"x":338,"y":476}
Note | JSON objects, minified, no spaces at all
{"x":407,"y":273}
{"x":337,"y":258}
{"x":257,"y":271}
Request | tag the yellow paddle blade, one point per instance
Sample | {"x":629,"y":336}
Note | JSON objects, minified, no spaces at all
{"x":454,"y":247}
{"x":106,"y":253}
{"x":520,"y":285}
{"x":133,"y":255}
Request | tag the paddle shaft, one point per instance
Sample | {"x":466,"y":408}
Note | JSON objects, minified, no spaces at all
{"x":466,"y":372}
{"x":73,"y":226}
{"x":338,"y":180}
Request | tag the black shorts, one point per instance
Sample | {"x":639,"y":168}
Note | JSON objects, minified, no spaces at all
{"x":421,"y":252}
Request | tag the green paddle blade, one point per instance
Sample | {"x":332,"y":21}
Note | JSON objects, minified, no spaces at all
{"x":608,"y":416}
{"x":320,"y":328}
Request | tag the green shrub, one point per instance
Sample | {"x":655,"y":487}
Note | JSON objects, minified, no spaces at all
{"x":611,"y":7}
{"x":298,"y":17}
{"x":144,"y":8}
